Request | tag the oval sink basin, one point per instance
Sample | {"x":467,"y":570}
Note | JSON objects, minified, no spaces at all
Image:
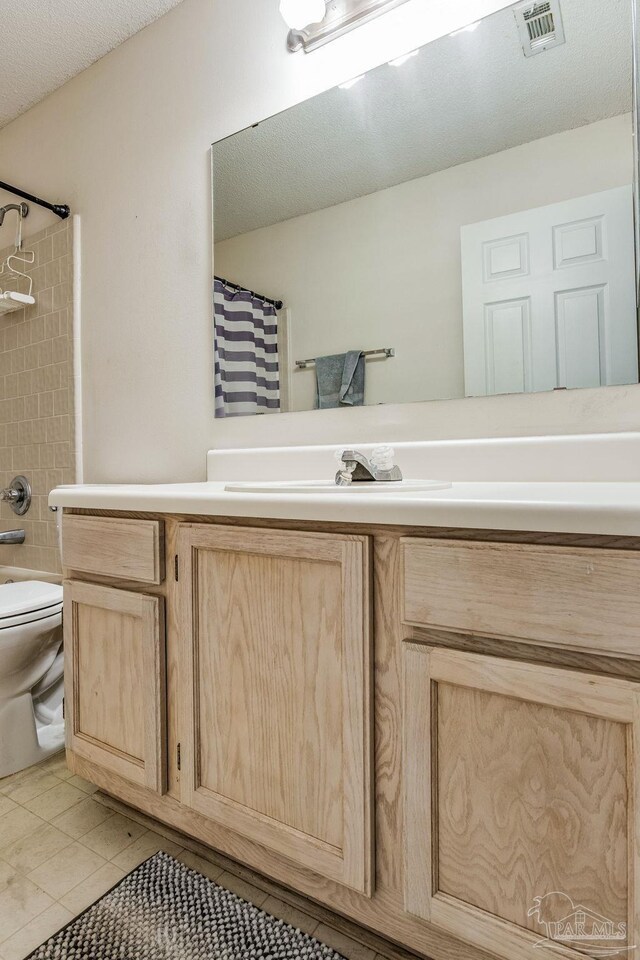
{"x":405,"y":487}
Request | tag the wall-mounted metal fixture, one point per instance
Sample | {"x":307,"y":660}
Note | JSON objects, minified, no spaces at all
{"x":12,"y":536}
{"x":236,"y":286}
{"x":18,"y":495}
{"x":21,"y":208}
{"x":60,"y":209}
{"x":384,"y":354}
{"x":340,"y":17}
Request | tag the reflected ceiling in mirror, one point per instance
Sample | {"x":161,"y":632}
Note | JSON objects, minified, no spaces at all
{"x":469,"y":211}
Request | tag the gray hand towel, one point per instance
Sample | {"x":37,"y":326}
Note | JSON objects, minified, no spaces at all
{"x":340,"y":380}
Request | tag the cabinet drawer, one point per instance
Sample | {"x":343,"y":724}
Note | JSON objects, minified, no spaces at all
{"x":564,"y":596}
{"x":112,"y":547}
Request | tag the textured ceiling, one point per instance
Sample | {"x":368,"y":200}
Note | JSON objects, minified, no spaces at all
{"x":461,"y":98}
{"x":46,"y":42}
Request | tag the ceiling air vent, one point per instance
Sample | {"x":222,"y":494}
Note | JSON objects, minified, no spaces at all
{"x":539,"y":25}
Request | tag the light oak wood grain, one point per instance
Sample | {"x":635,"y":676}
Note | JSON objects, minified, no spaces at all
{"x":122,"y":548}
{"x":385,"y":909}
{"x":534,"y":797}
{"x":274,"y":721}
{"x":532,"y":653}
{"x":459,"y":534}
{"x":276,"y":734}
{"x":109,"y":647}
{"x":561,"y":596}
{"x":115,"y":685}
{"x":519,"y":782}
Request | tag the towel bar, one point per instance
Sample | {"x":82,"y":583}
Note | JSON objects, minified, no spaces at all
{"x":384,"y":352}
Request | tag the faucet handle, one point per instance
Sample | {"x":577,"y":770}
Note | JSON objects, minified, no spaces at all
{"x":339,"y":452}
{"x":17,"y":495}
{"x":383,"y":457}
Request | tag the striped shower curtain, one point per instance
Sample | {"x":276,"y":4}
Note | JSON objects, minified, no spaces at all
{"x":245,"y":352}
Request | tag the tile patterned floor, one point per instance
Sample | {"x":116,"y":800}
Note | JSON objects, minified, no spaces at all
{"x":60,"y":850}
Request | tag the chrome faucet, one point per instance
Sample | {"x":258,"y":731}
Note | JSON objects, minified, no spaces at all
{"x":12,"y":536}
{"x":357,"y":468}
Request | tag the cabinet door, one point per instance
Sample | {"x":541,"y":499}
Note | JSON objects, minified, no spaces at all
{"x":115,"y":687}
{"x":521,"y":789}
{"x":275,"y":737}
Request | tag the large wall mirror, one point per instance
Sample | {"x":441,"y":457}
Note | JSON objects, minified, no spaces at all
{"x":456,"y":224}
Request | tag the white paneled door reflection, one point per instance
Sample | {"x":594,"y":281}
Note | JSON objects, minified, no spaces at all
{"x":549,"y":298}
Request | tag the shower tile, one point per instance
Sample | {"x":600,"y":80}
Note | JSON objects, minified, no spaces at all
{"x":36,"y":361}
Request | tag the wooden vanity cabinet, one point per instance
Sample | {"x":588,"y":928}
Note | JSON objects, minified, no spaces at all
{"x":456,"y":768}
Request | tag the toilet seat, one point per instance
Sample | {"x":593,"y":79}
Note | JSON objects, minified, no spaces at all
{"x":31,"y":617}
{"x":25,"y":602}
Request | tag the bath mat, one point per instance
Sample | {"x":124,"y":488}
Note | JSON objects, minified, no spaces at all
{"x":164,"y":911}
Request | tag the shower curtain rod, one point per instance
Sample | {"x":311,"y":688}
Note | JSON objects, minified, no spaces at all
{"x":236,"y":286}
{"x":60,"y":209}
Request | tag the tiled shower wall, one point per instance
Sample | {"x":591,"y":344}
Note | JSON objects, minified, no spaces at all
{"x":36,"y":395}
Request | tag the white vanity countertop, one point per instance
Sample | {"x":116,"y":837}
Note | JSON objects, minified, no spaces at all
{"x":569,"y":507}
{"x":565,"y":484}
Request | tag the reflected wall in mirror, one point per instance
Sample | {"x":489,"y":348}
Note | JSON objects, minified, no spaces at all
{"x":466,"y":215}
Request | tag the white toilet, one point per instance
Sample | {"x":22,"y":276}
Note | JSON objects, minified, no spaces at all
{"x":31,"y":674}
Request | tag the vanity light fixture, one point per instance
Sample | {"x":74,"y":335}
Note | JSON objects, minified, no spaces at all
{"x":351,"y":83}
{"x":400,"y":60}
{"x":312,"y":27}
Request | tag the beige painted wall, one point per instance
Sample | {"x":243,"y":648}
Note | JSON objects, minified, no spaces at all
{"x":385,"y":270}
{"x":126,"y":143}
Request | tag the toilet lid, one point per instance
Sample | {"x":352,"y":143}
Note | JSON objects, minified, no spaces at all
{"x":17,"y":599}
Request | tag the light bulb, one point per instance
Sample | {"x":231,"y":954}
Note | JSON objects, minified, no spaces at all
{"x":298,"y":14}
